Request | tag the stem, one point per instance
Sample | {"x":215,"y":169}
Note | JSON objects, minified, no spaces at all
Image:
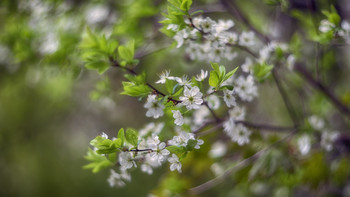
{"x":132,"y":71}
{"x":232,"y":8}
{"x":141,"y":150}
{"x":264,"y":126}
{"x":285,"y":98}
{"x":300,"y":68}
{"x":217,"y":119}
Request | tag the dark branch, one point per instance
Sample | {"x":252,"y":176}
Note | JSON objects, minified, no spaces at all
{"x":300,"y":68}
{"x":233,"y":9}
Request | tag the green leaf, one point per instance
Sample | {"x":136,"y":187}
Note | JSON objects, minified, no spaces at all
{"x":98,"y":162}
{"x":121,"y":136}
{"x":132,"y":89}
{"x":228,"y":87}
{"x":230,"y":74}
{"x":262,"y":71}
{"x":213,"y":79}
{"x":196,"y":12}
{"x":180,"y":151}
{"x":176,"y":3}
{"x":215,"y":66}
{"x":99,"y":65}
{"x":191,"y":144}
{"x":125,"y":53}
{"x":186,"y":5}
{"x":169,"y":85}
{"x":131,"y":137}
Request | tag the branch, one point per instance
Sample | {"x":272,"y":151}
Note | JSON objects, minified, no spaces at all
{"x":285,"y":98}
{"x":232,"y":8}
{"x":300,"y":68}
{"x":217,"y":180}
{"x":114,"y":63}
{"x":264,"y":126}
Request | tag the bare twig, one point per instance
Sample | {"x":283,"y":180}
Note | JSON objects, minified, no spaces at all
{"x":300,"y":68}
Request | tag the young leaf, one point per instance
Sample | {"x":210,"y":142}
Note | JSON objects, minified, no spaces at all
{"x":131,"y":137}
{"x":98,"y":162}
{"x":121,"y":136}
{"x":125,"y":53}
{"x":213,"y":79}
{"x":229,"y":74}
{"x":191,"y":144}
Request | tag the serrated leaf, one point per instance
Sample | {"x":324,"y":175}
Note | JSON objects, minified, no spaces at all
{"x":132,"y":89}
{"x":98,"y":162}
{"x":100,"y":66}
{"x":230,"y":74}
{"x":131,"y":137}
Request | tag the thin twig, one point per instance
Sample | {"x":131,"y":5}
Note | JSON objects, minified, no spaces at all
{"x":233,"y":9}
{"x":285,"y":98}
{"x":300,"y":68}
{"x":132,"y":71}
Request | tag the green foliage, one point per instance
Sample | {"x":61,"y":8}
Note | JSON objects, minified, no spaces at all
{"x":98,"y":161}
{"x":218,"y":76}
{"x":131,"y":137}
{"x":137,"y":86}
{"x":126,"y":54}
{"x":106,"y":146}
{"x":262,"y":71}
{"x":179,"y":151}
{"x":96,"y":51}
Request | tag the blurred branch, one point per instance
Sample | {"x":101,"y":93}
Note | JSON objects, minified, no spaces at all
{"x":285,"y":98}
{"x":300,"y":68}
{"x":219,"y":179}
{"x":233,"y":9}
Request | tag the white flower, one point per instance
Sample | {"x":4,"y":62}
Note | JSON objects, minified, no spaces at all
{"x":179,"y":119}
{"x":155,"y":108}
{"x":199,"y":142}
{"x":115,"y":179}
{"x":304,"y":144}
{"x":316,"y":122}
{"x":192,"y":98}
{"x":229,"y":38}
{"x":173,"y":27}
{"x":184,"y":81}
{"x":104,"y":135}
{"x":248,"y":65}
{"x":213,"y":102}
{"x":181,"y":139}
{"x":327,"y":139}
{"x":153,"y":141}
{"x":151,"y":127}
{"x":175,"y":163}
{"x":247,"y":39}
{"x":245,"y":88}
{"x":160,"y":153}
{"x":146,"y":168}
{"x":224,"y":25}
{"x":218,"y":149}
{"x":325,"y":26}
{"x":229,"y":99}
{"x":126,"y":160}
{"x":241,"y":135}
{"x":237,"y":113}
{"x":207,"y":25}
{"x":202,"y":75}
{"x":238,"y":133}
{"x":164,"y":76}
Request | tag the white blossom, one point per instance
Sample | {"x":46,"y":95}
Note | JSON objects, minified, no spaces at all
{"x":181,"y":139}
{"x":199,"y":116}
{"x":245,"y":88}
{"x":229,"y":99}
{"x":304,"y":144}
{"x":126,"y":160}
{"x":184,"y":81}
{"x":115,"y":179}
{"x":223,"y":25}
{"x":325,"y":26}
{"x":237,"y":113}
{"x":327,"y":139}
{"x":155,"y":108}
{"x":175,"y":163}
{"x":237,"y":132}
{"x":202,"y":75}
{"x":192,"y":98}
{"x":247,"y":39}
{"x":207,"y":25}
{"x":199,"y":142}
{"x":290,"y":62}
{"x":229,"y":38}
{"x":179,"y":119}
{"x":104,"y":135}
{"x":316,"y":122}
{"x":151,"y":128}
{"x":247,"y":67}
{"x":164,"y":76}
{"x":218,"y":149}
